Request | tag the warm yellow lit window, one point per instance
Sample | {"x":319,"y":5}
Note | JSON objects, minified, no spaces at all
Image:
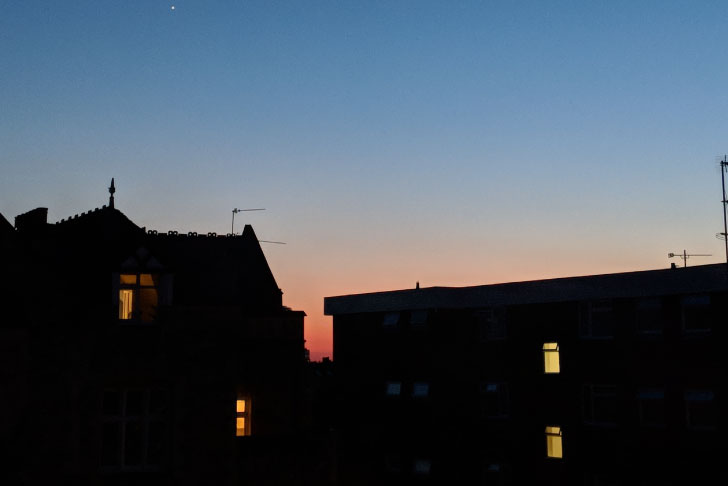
{"x":242,"y":421}
{"x":551,"y":358}
{"x":126,"y":303}
{"x":138,"y":296}
{"x":554,"y":447}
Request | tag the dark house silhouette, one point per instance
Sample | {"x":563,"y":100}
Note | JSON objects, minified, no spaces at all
{"x":130,"y":356}
{"x":597,"y":380}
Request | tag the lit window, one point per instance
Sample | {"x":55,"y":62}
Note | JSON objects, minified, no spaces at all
{"x":491,"y":324}
{"x":494,"y":400}
{"x":554,"y":447}
{"x":651,"y":407}
{"x":390,"y":320}
{"x":551,"y":358}
{"x":597,"y":322}
{"x":138,"y":296}
{"x":700,"y":410}
{"x":649,"y":317}
{"x":134,"y":432}
{"x":394,"y":388}
{"x":696,"y":317}
{"x":242,"y":417}
{"x":600,"y":404}
{"x":420,"y":389}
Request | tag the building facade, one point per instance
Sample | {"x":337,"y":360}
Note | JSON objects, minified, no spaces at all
{"x":131,"y":356}
{"x":597,"y":380}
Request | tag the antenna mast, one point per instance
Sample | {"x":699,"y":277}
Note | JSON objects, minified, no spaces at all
{"x":235,"y":211}
{"x":723,"y":168}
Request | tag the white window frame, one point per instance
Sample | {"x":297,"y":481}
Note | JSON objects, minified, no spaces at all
{"x":144,"y":419}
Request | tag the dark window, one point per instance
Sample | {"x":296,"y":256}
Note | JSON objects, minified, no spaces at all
{"x":651,"y":403}
{"x":649,"y":319}
{"x":420,"y":389}
{"x":418,"y":319}
{"x":600,"y":404}
{"x":491,"y":324}
{"x":597,"y":321}
{"x":393,"y":388}
{"x":700,"y":409}
{"x":390,"y":320}
{"x":133,"y":436}
{"x":494,"y":400}
{"x":696,"y":314}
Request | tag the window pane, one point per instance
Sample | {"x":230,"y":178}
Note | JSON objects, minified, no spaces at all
{"x":134,"y":403}
{"x":240,"y":426}
{"x":418,"y":318}
{"x":394,"y":388}
{"x":241,"y":406}
{"x":391,"y":319}
{"x":111,"y":402}
{"x":126,"y":301}
{"x":133,"y":443}
{"x":649,"y":316}
{"x":128,"y":279}
{"x":148,"y":304}
{"x":420,"y":389}
{"x":110,"y":442}
{"x":696,"y":313}
{"x":553,"y":446}
{"x":157,"y":443}
{"x":148,"y":280}
{"x":551,"y":358}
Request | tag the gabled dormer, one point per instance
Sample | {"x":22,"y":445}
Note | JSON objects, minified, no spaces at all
{"x":140,"y":287}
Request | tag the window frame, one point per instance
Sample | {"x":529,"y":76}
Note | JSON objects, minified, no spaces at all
{"x":245,"y":414}
{"x":594,"y":392}
{"x":651,"y":394}
{"x":554,"y":435}
{"x":137,"y":315}
{"x":586,"y":323}
{"x":548,"y":358}
{"x":700,"y":396}
{"x":144,"y":419}
{"x":683,"y":319}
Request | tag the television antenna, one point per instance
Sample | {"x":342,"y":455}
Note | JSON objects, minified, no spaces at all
{"x":235,"y":211}
{"x":685,"y":255}
{"x":724,"y":235}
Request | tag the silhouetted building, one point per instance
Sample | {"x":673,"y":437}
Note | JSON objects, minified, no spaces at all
{"x":130,"y":356}
{"x":597,"y":380}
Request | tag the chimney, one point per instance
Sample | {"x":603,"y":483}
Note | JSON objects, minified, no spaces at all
{"x":32,"y":221}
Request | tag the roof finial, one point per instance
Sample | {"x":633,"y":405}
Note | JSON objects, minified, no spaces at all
{"x":112,"y":190}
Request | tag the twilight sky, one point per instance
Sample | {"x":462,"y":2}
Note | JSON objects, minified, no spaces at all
{"x":451,"y":142}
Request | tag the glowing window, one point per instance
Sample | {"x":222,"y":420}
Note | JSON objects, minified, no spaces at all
{"x":394,"y":388}
{"x":242,"y":417}
{"x":551,"y":358}
{"x":138,"y":296}
{"x":554,"y":446}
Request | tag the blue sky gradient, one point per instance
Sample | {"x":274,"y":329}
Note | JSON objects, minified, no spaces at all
{"x":454,"y":143}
